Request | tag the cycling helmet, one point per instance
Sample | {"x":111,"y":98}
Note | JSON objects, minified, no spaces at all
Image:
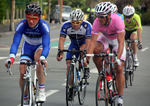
{"x":128,"y":10}
{"x":33,"y":8}
{"x":76,"y":15}
{"x":103,"y":8}
{"x":114,"y":8}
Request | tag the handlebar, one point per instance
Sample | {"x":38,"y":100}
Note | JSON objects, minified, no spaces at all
{"x":102,"y":55}
{"x":131,"y":41}
{"x":72,"y":51}
{"x":26,"y":63}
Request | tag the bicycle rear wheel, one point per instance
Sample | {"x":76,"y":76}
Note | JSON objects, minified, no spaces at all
{"x":26,"y":92}
{"x":82,"y":91}
{"x":69,"y":101}
{"x":102,"y":95}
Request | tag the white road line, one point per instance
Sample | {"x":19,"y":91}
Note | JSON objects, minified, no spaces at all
{"x":94,"y":70}
{"x":48,"y":93}
{"x":144,"y":49}
{"x":3,"y":58}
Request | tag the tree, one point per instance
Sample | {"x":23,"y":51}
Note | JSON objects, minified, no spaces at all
{"x":2,"y":9}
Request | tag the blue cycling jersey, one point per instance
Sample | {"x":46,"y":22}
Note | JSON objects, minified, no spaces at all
{"x":76,"y":36}
{"x":121,"y":16}
{"x":39,"y":35}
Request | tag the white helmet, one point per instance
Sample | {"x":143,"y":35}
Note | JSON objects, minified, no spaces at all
{"x":128,"y":10}
{"x":114,"y":8}
{"x":103,"y":8}
{"x":76,"y":15}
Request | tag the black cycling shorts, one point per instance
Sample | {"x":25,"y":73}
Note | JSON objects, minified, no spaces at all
{"x":128,"y":34}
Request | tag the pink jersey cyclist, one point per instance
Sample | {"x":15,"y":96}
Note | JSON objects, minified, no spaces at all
{"x":108,"y":33}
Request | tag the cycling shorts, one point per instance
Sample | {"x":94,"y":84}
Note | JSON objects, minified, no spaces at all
{"x":128,"y":34}
{"x":114,"y":43}
{"x":28,"y":51}
{"x":77,"y":47}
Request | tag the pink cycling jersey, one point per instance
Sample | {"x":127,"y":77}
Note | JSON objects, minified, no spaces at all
{"x":116,"y":26}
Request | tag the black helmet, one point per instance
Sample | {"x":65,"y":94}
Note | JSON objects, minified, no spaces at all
{"x":33,"y":8}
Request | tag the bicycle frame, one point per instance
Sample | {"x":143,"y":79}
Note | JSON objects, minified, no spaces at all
{"x":129,"y":64}
{"x":28,"y":77}
{"x":102,"y":78}
{"x":78,"y":85}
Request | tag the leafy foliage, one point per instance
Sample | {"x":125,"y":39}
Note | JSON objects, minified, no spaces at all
{"x":2,"y":9}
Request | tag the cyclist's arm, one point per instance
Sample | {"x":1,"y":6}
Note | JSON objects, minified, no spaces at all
{"x":87,"y":43}
{"x":120,"y":39}
{"x":88,"y":35}
{"x":45,"y":40}
{"x":139,"y":27}
{"x":61,"y":42}
{"x":139,"y":30}
{"x":92,"y":44}
{"x":15,"y":44}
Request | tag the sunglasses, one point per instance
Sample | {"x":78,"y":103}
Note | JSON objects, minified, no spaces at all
{"x":127,"y":17}
{"x":76,"y":22}
{"x":33,"y":19}
{"x":101,"y":16}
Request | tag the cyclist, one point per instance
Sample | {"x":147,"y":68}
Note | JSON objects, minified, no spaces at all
{"x":114,"y":9}
{"x":108,"y":29}
{"x":133,"y":29}
{"x":35,"y":47}
{"x":79,"y":32}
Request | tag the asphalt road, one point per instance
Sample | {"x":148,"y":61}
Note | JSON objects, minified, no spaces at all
{"x":136,"y":95}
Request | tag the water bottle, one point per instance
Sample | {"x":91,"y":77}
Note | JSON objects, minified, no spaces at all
{"x":109,"y":83}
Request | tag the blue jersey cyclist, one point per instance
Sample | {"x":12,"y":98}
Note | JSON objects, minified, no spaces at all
{"x":35,"y":47}
{"x":79,"y":32}
{"x":114,"y":9}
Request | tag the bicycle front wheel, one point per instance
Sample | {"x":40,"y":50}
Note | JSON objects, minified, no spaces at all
{"x":69,"y":94}
{"x":131,"y":72}
{"x":102,"y":95}
{"x":26,"y":98}
{"x":82,"y":91}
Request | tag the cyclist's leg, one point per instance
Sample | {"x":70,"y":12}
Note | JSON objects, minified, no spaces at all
{"x":134,"y":44}
{"x":40,"y":74}
{"x":134,"y":47}
{"x":26,"y":55}
{"x":120,"y":80}
{"x":68,"y":60}
{"x":101,"y":45}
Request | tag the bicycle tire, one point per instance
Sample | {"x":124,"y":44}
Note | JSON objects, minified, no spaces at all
{"x":131,"y":73}
{"x":69,"y":102}
{"x":102,"y":95}
{"x":126,"y":74}
{"x":26,"y":91}
{"x":82,"y":91}
{"x":126,"y":70}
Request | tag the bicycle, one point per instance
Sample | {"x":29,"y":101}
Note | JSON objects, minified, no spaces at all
{"x":79,"y":82}
{"x":129,"y":64}
{"x":30,"y":85}
{"x":104,"y":95}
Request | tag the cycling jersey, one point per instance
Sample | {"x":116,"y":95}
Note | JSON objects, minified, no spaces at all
{"x":121,"y":16}
{"x":115,"y":26}
{"x":109,"y":33}
{"x":39,"y":35}
{"x":134,"y":24}
{"x":77,"y":37}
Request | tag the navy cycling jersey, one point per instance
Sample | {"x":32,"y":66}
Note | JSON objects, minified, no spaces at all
{"x":77,"y":37}
{"x":39,"y":35}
